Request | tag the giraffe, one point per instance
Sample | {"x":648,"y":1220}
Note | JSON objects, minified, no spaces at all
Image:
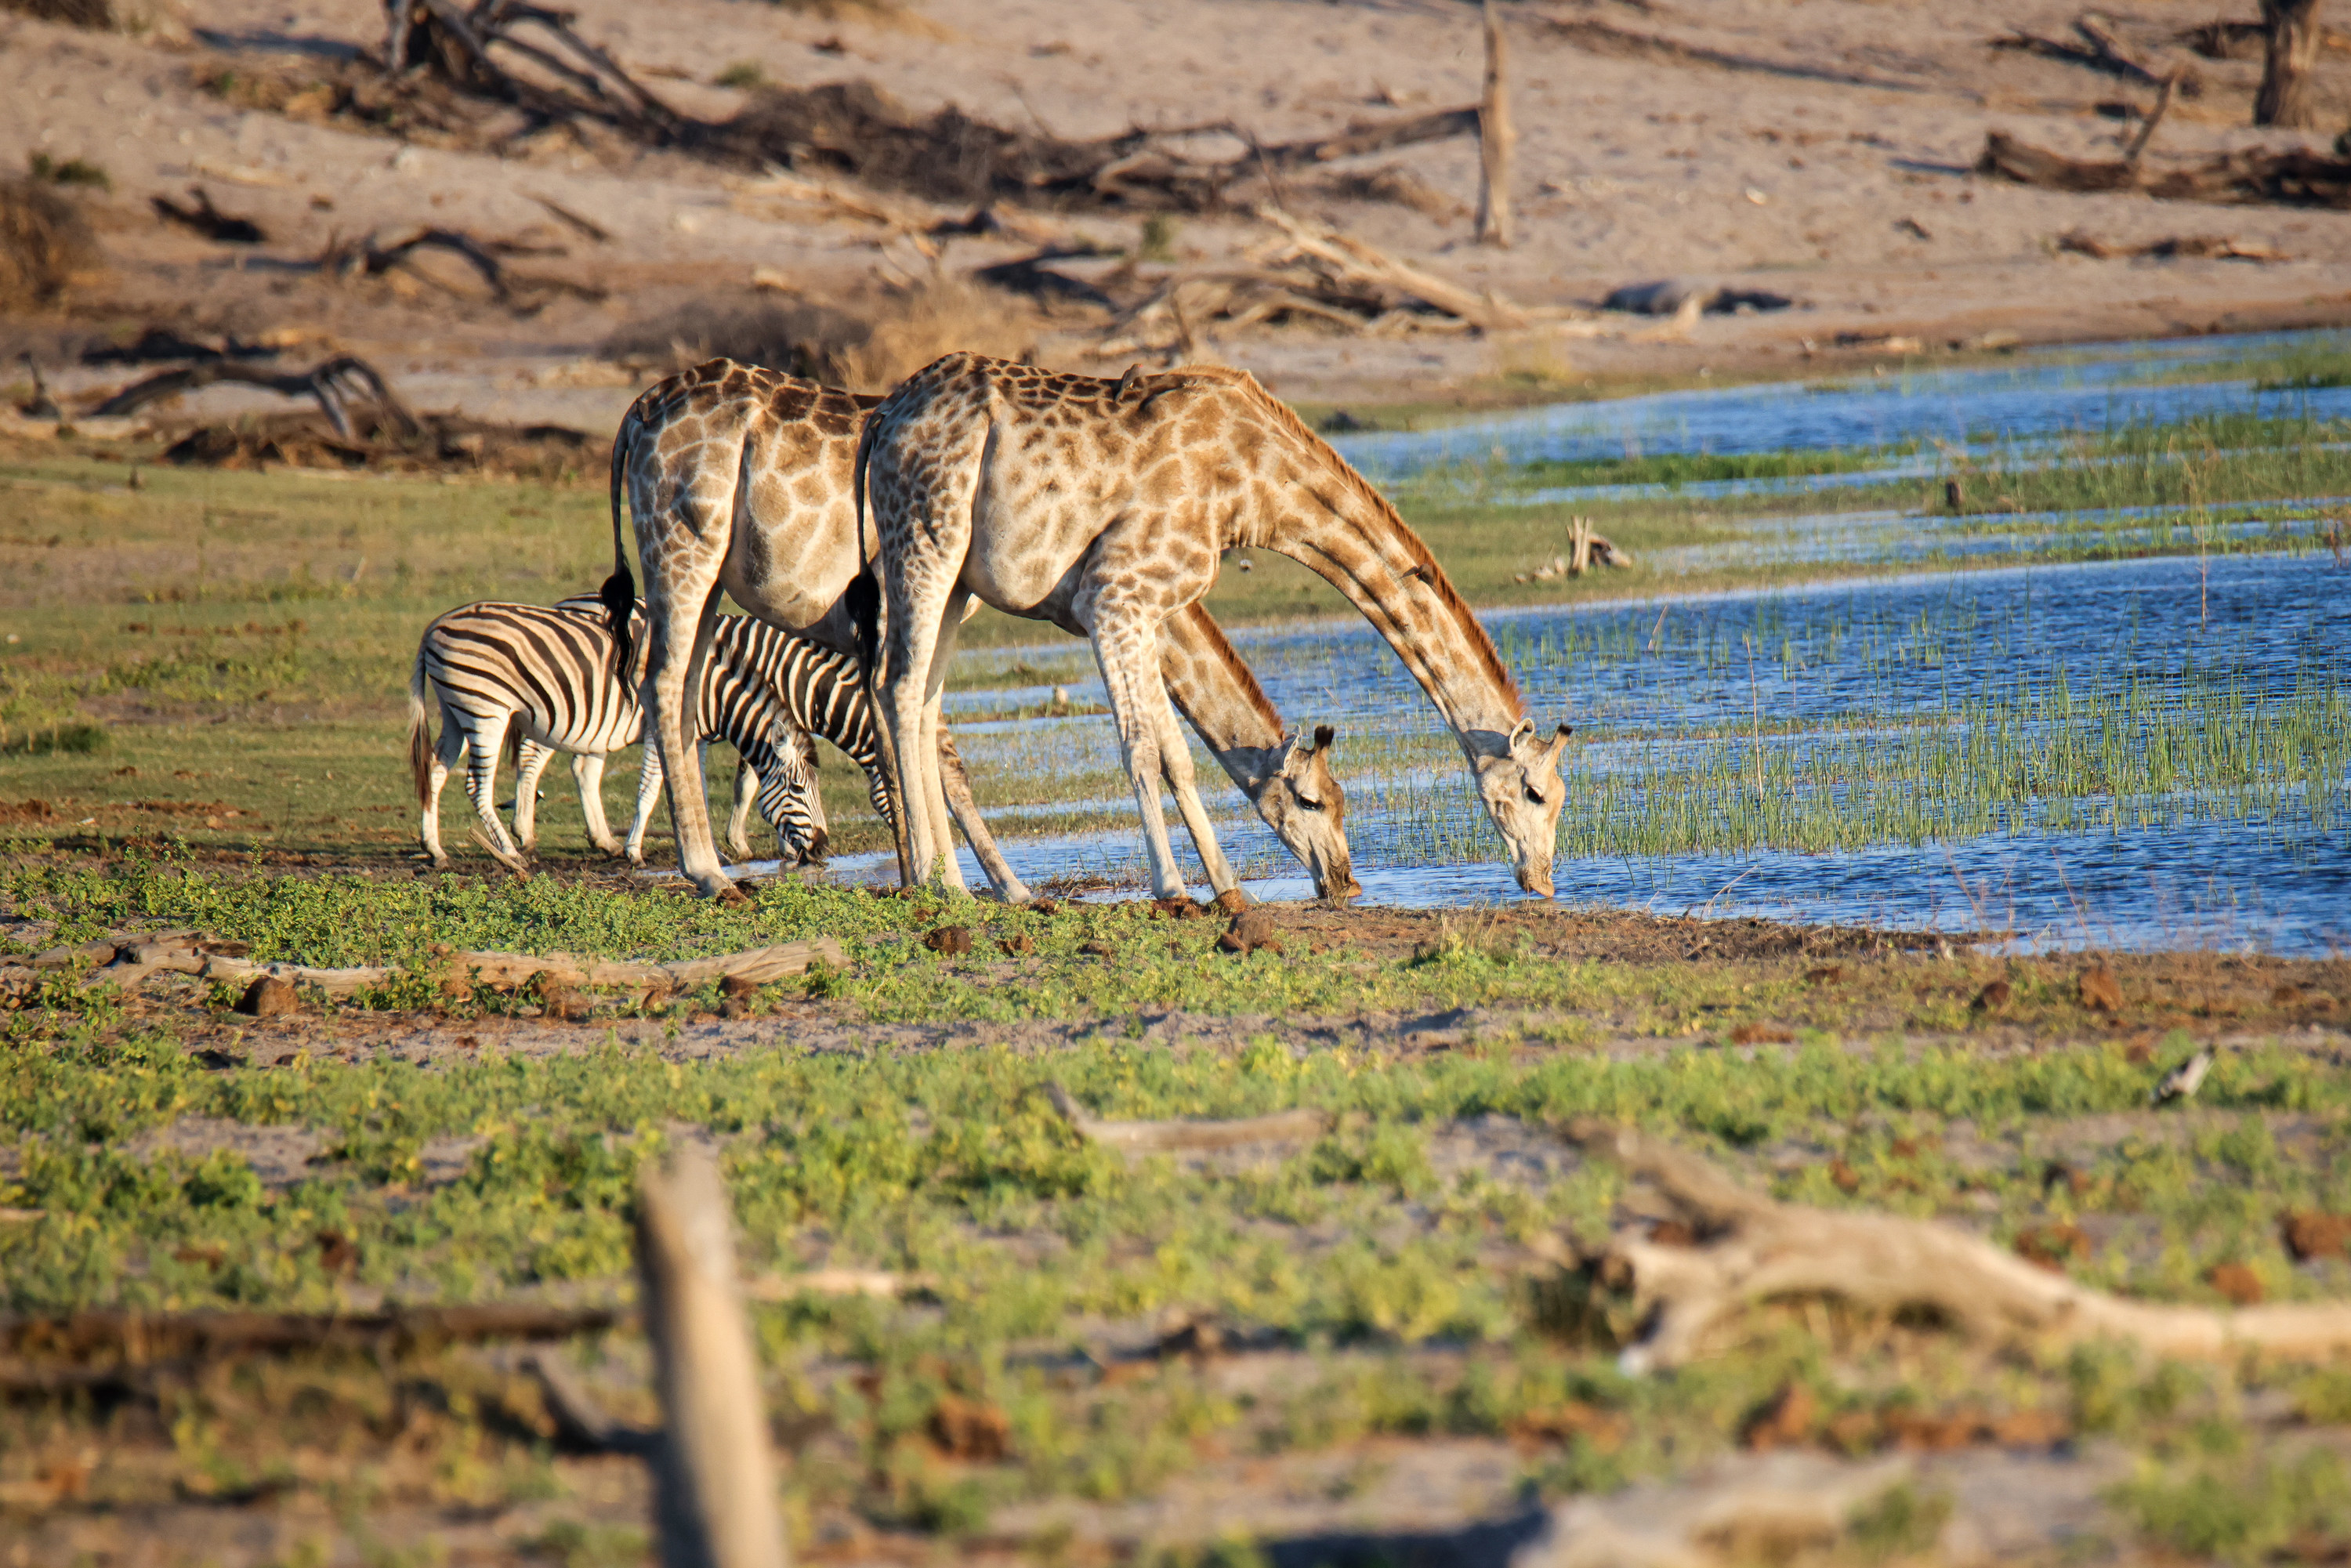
{"x":1106,"y":504}
{"x":739,"y":481}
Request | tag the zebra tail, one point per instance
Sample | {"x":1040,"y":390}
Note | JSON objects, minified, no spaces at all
{"x":620,"y":590}
{"x":420,"y":747}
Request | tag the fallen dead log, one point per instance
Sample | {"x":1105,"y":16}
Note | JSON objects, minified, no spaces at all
{"x":2217,"y":247}
{"x":50,"y":1353}
{"x":2101,"y":50}
{"x":455,"y":44}
{"x":333,"y":382}
{"x":189,"y":953}
{"x":372,"y":257}
{"x":1351,"y":260}
{"x":201,"y":216}
{"x":1296,"y":1126}
{"x":2288,"y":177}
{"x":1754,"y":1249}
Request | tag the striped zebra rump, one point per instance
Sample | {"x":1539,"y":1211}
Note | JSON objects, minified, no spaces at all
{"x":551,"y":677}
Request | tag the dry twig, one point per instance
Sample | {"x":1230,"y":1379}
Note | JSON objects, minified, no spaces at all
{"x":1164,"y":1138}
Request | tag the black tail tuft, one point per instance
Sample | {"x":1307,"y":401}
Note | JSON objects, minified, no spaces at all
{"x":864,"y":601}
{"x":619,"y":596}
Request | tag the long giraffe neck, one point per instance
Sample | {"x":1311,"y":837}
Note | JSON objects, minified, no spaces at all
{"x":1329,"y":518}
{"x":1231,"y":711}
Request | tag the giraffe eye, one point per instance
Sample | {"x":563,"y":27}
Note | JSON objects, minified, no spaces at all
{"x":1535,"y":796}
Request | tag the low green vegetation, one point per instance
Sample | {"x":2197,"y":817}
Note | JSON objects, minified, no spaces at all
{"x":162,"y":1154}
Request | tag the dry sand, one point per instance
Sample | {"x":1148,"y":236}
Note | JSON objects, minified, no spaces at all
{"x":1816,"y":148}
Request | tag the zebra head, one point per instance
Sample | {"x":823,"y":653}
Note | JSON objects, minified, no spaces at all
{"x":789,"y":795}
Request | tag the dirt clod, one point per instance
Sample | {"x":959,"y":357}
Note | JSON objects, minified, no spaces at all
{"x":951,"y":941}
{"x":1993,"y":998}
{"x":558,"y":1001}
{"x":2309,"y":1234}
{"x":2053,"y":1246}
{"x":1046,"y":906}
{"x":1786,"y":1422}
{"x":338,"y":1253}
{"x":1097,"y":949}
{"x":268,"y":997}
{"x":1184,"y":908}
{"x":1763,"y":1034}
{"x":1845,"y":1178}
{"x":970,"y":1429}
{"x":1826,"y":975}
{"x":2101,"y":993}
{"x":1015,"y":947}
{"x":2238,"y":1283}
{"x":1251,"y":929}
{"x":1232,"y":901}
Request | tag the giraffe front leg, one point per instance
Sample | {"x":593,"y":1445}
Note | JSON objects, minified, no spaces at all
{"x":965,"y":807}
{"x":1175,"y":765}
{"x":1126,"y":645}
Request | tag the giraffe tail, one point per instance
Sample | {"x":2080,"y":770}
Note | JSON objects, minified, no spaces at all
{"x":864,"y":593}
{"x":620,"y":590}
{"x":420,"y":747}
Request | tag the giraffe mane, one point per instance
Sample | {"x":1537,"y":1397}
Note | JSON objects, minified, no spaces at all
{"x":1424,"y":563}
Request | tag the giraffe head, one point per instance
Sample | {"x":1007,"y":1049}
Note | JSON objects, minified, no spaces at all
{"x":1302,"y":803}
{"x":1523,"y":793}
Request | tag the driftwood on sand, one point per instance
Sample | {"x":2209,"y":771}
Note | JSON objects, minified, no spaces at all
{"x":2286,"y":177}
{"x":1752,"y":1249}
{"x":334,"y":384}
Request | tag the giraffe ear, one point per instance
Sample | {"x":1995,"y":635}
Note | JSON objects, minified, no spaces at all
{"x":1521,"y":733}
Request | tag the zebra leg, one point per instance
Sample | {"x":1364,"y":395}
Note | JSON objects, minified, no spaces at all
{"x":649,"y":788}
{"x":529,"y":764}
{"x":966,"y":811}
{"x":738,"y":821}
{"x":587,"y":772}
{"x":445,"y":754}
{"x":483,"y":737}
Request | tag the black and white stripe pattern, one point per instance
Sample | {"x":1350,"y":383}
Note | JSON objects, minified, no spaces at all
{"x":550,"y":678}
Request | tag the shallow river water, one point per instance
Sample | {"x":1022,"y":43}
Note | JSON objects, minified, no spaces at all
{"x":2144,"y":753}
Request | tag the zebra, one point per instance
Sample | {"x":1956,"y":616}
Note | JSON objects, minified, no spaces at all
{"x":547,"y":679}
